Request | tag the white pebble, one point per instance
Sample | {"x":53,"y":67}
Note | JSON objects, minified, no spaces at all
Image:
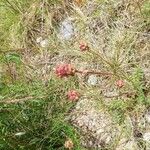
{"x":146,"y":137}
{"x":66,"y":30}
{"x":99,"y":131}
{"x":92,"y":80}
{"x":44,"y":43}
{"x":39,"y":39}
{"x":147,"y":116}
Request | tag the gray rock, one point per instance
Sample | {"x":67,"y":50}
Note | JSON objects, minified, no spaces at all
{"x":42,"y":42}
{"x":66,"y":29}
{"x":127,"y":145}
{"x":146,"y":137}
{"x":92,"y":80}
{"x":95,"y":124}
{"x":147,"y":116}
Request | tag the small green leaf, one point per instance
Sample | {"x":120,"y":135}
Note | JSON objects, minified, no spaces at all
{"x":13,"y":58}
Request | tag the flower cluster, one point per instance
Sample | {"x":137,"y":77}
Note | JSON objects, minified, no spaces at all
{"x":68,"y":144}
{"x":73,"y":95}
{"x":83,"y":46}
{"x":120,"y":83}
{"x":64,"y":70}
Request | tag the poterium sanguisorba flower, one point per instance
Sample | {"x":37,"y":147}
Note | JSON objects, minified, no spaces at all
{"x":83,"y":46}
{"x":73,"y":95}
{"x":68,"y":144}
{"x":64,"y":70}
{"x":120,"y":83}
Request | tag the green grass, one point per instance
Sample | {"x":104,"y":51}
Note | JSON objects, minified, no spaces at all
{"x":41,"y":118}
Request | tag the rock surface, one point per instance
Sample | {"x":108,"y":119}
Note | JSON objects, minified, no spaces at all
{"x":92,"y":80}
{"x":96,"y":126}
{"x":99,"y":131}
{"x":128,"y":145}
{"x":66,"y":29}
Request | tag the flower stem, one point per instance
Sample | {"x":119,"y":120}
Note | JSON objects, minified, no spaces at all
{"x":94,"y":72}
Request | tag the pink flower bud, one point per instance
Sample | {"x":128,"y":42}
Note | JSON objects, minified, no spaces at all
{"x":64,"y":70}
{"x":73,"y":95}
{"x":83,"y":46}
{"x":120,"y":83}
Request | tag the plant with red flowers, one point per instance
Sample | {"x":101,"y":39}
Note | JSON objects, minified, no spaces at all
{"x":64,"y":70}
{"x":73,"y":95}
{"x":83,"y":46}
{"x":120,"y":83}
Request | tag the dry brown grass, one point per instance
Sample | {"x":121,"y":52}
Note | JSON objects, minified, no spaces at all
{"x":116,"y":31}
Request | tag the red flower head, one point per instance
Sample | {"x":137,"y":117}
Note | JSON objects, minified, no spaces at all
{"x":120,"y":83}
{"x":73,"y":95}
{"x":83,"y":46}
{"x":64,"y":70}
